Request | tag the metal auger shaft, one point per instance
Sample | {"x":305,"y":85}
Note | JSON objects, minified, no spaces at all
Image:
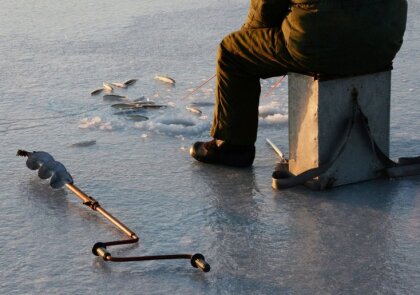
{"x":94,"y":205}
{"x":48,"y":167}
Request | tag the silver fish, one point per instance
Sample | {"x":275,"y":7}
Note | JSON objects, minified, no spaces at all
{"x":83,"y":143}
{"x":114,"y":97}
{"x":165,"y":79}
{"x":137,"y":117}
{"x":202,"y":104}
{"x":107,"y":87}
{"x":180,"y":122}
{"x":137,"y":106}
{"x":153,"y":106}
{"x":97,"y":91}
{"x":131,"y":105}
{"x":129,"y":111}
{"x":194,"y":110}
{"x":141,"y":98}
{"x":122,"y":105}
{"x":130,"y":82}
{"x":119,"y":85}
{"x":143,"y":103}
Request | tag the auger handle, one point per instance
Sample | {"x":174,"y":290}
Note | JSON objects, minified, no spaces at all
{"x":198,"y":261}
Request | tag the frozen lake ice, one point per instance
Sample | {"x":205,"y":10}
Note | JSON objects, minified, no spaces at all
{"x":357,"y":239}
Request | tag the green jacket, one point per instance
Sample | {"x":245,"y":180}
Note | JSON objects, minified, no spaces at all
{"x":335,"y":36}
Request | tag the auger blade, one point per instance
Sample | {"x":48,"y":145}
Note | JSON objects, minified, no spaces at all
{"x":45,"y":170}
{"x":48,"y":167}
{"x":60,"y":176}
{"x":36,"y":159}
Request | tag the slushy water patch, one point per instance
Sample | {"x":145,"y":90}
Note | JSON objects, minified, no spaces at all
{"x":97,"y":123}
{"x":272,"y":113}
{"x":273,"y":119}
{"x":175,"y":124}
{"x":271,"y":108}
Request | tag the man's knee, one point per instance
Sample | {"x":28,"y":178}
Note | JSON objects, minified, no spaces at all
{"x":229,"y":44}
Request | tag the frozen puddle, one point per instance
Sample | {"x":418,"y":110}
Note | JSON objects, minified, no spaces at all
{"x":176,"y":125}
{"x":272,"y":113}
{"x":95,"y":123}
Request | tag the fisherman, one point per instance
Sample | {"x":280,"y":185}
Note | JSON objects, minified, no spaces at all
{"x":328,"y":37}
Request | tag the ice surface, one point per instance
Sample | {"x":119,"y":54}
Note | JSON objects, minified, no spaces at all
{"x":359,"y":239}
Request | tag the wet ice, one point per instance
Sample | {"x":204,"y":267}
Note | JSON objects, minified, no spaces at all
{"x":355,"y":239}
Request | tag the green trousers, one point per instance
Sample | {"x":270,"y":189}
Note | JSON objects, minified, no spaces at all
{"x":244,"y":58}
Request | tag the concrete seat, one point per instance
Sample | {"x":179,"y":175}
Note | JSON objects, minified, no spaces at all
{"x":318,"y":113}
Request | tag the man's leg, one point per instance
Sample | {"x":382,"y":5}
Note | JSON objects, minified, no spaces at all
{"x":244,"y":57}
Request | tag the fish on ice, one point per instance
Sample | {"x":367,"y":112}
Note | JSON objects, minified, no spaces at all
{"x":138,"y":106}
{"x":125,"y":84}
{"x":83,"y":143}
{"x":125,"y":112}
{"x":118,"y":85}
{"x":114,"y":97}
{"x":202,"y":104}
{"x":107,"y":87}
{"x":153,"y":106}
{"x":141,"y":98}
{"x":97,"y":91}
{"x":130,"y":82}
{"x":194,"y":110}
{"x":131,"y":105}
{"x":165,"y":79}
{"x":137,"y":117}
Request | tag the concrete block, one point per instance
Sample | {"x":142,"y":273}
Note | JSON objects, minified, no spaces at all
{"x":318,"y":113}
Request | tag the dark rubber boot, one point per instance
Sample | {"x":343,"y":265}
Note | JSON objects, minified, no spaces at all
{"x":224,"y":153}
